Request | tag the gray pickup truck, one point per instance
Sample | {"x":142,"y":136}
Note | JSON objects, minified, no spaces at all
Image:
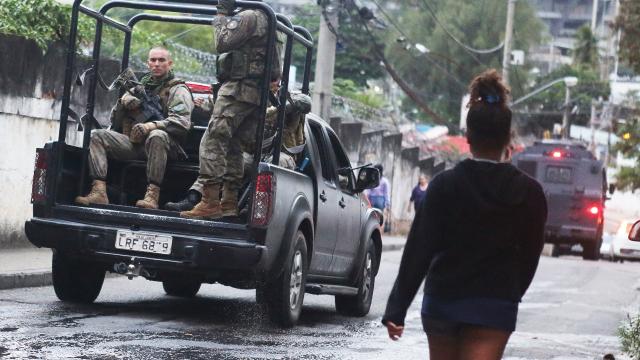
{"x":305,"y":231}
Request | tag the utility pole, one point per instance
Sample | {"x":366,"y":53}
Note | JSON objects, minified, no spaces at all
{"x":508,"y":38}
{"x":325,"y":63}
{"x":594,"y":17}
{"x":565,"y":116}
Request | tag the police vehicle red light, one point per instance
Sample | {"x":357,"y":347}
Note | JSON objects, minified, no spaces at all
{"x":594,"y":210}
{"x":556,"y":154}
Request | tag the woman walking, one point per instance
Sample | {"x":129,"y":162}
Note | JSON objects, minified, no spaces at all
{"x":476,"y":240}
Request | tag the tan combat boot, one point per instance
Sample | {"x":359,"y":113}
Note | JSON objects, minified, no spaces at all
{"x":209,"y":205}
{"x":97,"y":195}
{"x":151,"y":197}
{"x":229,"y":203}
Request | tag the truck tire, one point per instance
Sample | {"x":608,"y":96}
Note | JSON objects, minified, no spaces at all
{"x":185,"y":288}
{"x":360,"y":304}
{"x":74,"y":280}
{"x":591,"y":250}
{"x":283,"y":297}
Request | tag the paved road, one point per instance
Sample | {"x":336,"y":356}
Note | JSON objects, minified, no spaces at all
{"x":572,"y":311}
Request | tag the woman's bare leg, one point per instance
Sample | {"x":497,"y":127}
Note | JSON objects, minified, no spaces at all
{"x":482,"y":343}
{"x":443,"y":347}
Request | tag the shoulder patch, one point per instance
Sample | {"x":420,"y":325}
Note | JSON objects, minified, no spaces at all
{"x":233,"y":24}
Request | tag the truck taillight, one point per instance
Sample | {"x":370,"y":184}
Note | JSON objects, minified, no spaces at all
{"x":39,"y":184}
{"x":263,"y":199}
{"x":594,"y":210}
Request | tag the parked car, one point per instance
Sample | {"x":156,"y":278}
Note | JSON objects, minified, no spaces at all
{"x":621,"y":247}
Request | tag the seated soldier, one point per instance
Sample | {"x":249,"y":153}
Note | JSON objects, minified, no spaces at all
{"x":298,"y":105}
{"x":156,"y":141}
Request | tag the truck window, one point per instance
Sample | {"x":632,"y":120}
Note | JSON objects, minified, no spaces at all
{"x":323,"y":151}
{"x":345,"y":177}
{"x":559,"y":174}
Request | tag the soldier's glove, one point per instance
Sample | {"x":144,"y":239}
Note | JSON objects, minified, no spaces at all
{"x":140,"y":131}
{"x":226,"y":7}
{"x":129,"y":101}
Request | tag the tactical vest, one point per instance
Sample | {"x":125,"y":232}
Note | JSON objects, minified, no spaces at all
{"x":164,"y":91}
{"x":248,"y":60}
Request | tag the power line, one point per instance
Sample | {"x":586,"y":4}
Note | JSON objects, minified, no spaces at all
{"x":472,"y":51}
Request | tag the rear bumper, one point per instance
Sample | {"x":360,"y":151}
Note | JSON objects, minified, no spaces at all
{"x":571,"y":234}
{"x":188,"y":253}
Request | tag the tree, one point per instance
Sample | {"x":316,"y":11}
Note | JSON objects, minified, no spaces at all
{"x":441,"y":69}
{"x":589,"y":87}
{"x":585,"y":52}
{"x":629,"y":145}
{"x":629,"y":23}
{"x":354,"y":60}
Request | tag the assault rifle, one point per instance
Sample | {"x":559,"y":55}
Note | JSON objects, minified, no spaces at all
{"x":150,"y":107}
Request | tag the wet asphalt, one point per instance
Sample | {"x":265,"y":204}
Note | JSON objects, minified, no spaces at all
{"x":572,"y":311}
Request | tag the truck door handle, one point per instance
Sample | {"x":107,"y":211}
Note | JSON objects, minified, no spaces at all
{"x":323,"y":196}
{"x":342,"y":203}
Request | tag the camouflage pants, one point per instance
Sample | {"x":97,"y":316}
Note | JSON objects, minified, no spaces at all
{"x":231,"y":130}
{"x":286,"y":161}
{"x":157,"y":148}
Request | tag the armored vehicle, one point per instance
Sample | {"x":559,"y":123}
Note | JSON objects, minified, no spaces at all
{"x":575,"y":185}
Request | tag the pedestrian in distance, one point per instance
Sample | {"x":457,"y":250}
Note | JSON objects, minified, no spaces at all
{"x":475,"y":241}
{"x":155,"y":141}
{"x":380,"y":196}
{"x":418,"y":193}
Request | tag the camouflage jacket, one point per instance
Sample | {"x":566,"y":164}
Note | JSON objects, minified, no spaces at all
{"x":243,"y":39}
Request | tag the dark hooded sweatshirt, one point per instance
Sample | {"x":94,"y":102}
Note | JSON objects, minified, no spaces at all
{"x":478,"y":234}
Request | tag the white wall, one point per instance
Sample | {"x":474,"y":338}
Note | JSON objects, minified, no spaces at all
{"x":20,"y":135}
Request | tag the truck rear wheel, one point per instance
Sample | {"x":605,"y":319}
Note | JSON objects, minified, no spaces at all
{"x":591,"y":250}
{"x":360,"y":304}
{"x":284,"y":296}
{"x":75,"y":280}
{"x":186,"y":288}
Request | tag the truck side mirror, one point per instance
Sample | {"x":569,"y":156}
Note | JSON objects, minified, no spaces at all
{"x":368,"y":178}
{"x":612,"y":188}
{"x":634,"y":233}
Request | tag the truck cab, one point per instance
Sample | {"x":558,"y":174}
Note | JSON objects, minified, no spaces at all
{"x":306,"y":230}
{"x":574,"y":182}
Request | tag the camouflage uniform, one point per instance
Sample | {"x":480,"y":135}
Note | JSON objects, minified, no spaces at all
{"x":298,"y":105}
{"x":161,"y":144}
{"x":241,"y":40}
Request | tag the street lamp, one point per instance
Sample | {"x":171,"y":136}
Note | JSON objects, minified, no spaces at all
{"x":569,"y":82}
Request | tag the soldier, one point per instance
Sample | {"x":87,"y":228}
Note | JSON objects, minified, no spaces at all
{"x":298,"y":105}
{"x":155,"y":141}
{"x":240,"y":40}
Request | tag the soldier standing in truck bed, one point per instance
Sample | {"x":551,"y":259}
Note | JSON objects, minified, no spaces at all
{"x":155,"y":141}
{"x":241,"y":40}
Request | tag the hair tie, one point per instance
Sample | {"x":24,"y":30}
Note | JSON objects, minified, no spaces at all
{"x":491,"y":99}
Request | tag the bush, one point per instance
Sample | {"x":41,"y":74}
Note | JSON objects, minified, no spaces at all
{"x":629,"y":334}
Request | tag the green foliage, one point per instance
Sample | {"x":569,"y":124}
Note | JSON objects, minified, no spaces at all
{"x":629,"y":145}
{"x":628,"y":22}
{"x":442,"y":74}
{"x":585,"y":53}
{"x":589,"y":87}
{"x":42,"y":21}
{"x":629,"y":334}
{"x":348,"y":88}
{"x":354,"y":59}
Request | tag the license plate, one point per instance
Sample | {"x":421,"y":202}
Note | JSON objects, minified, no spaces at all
{"x":144,"y":242}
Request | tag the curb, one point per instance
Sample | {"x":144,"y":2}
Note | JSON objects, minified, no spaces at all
{"x":392,"y":247}
{"x":25,"y":279}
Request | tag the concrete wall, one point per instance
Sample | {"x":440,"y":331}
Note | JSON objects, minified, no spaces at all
{"x":31,"y":87}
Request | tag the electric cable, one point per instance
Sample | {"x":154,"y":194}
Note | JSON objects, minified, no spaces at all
{"x":472,"y":51}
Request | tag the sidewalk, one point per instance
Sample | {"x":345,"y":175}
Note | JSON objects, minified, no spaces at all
{"x":30,"y":267}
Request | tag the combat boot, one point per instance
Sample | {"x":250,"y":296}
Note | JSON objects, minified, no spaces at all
{"x":151,"y":198}
{"x":229,"y":203}
{"x":208,"y":207}
{"x":97,"y":195}
{"x":186,"y":204}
